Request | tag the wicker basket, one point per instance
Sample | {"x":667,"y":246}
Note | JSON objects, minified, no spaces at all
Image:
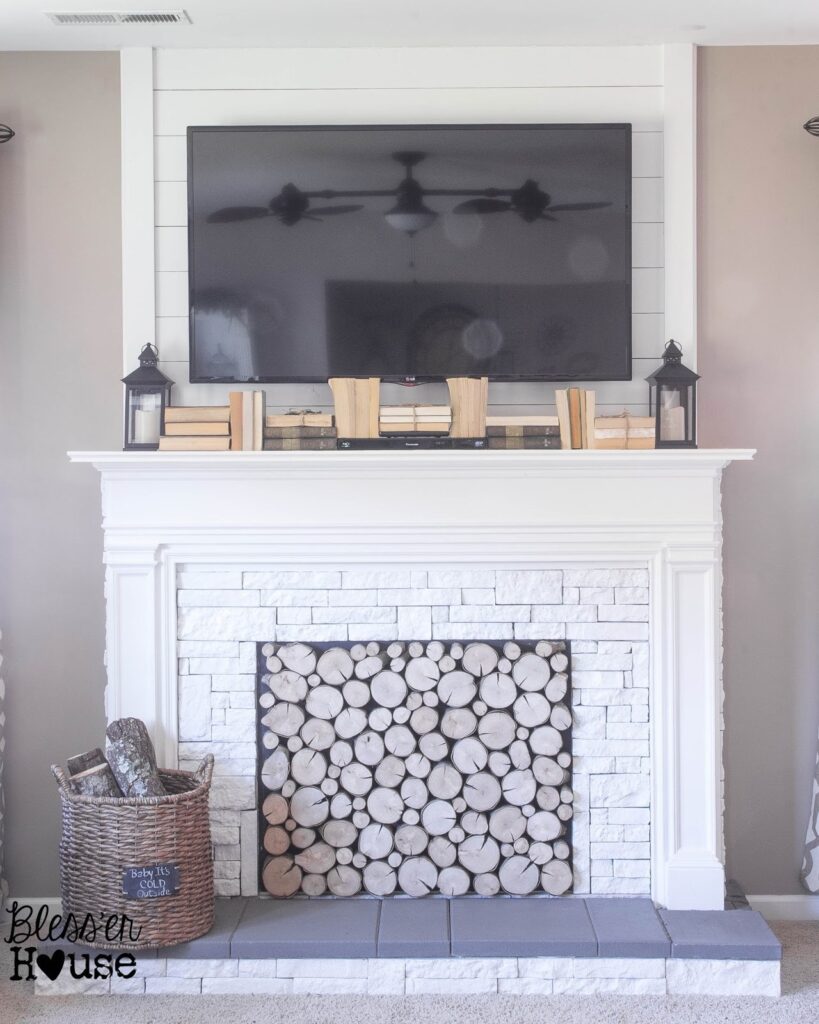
{"x":102,"y":836}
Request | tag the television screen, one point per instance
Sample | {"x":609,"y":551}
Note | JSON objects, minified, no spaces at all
{"x":410,"y":253}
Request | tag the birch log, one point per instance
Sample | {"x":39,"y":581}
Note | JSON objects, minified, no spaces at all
{"x":132,"y":758}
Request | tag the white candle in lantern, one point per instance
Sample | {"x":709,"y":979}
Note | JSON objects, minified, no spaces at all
{"x":146,"y":426}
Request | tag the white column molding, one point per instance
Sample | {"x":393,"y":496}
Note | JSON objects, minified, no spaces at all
{"x":654,"y":509}
{"x":137,"y":148}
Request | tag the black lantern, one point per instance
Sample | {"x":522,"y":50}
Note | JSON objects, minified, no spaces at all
{"x":147,"y":394}
{"x":672,"y":401}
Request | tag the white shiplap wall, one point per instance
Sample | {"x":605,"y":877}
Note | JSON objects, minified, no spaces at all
{"x":223,"y":87}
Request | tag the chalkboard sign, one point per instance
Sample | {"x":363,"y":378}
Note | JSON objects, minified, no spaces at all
{"x":150,"y":883}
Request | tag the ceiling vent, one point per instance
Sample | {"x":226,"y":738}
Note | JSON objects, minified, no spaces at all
{"x":120,"y":18}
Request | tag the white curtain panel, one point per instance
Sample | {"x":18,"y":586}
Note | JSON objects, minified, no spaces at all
{"x":810,"y":865}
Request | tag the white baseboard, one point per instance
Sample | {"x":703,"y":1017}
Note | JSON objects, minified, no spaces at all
{"x":787,"y":908}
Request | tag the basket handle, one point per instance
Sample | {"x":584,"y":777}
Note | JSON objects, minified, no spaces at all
{"x":204,"y":773}
{"x":62,"y":780}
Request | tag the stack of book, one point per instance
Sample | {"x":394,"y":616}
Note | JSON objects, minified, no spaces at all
{"x":575,"y":414}
{"x":522,"y":432}
{"x":624,"y":431}
{"x":204,"y":428}
{"x":300,"y":431}
{"x":414,"y":419}
{"x":246,"y":420}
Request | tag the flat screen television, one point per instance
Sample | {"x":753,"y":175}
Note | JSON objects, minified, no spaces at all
{"x":410,"y":253}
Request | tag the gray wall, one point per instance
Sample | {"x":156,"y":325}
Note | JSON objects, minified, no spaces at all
{"x":60,"y":359}
{"x":759,"y":357}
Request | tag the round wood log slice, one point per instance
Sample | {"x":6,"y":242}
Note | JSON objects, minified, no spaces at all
{"x":561,"y":849}
{"x":422,"y":674}
{"x":288,"y":686}
{"x":519,"y":787}
{"x":356,"y":778}
{"x":316,"y":859}
{"x":358,"y":652}
{"x":314,"y":885}
{"x":356,"y":693}
{"x":324,"y":702}
{"x":546,"y":740}
{"x":486,"y":885}
{"x":438,"y":817}
{"x":341,"y":806}
{"x":385,"y":805}
{"x":442,"y":851}
{"x":318,"y":734}
{"x":556,"y":877}
{"x":309,"y":807}
{"x":370,"y":666}
{"x":565,"y":812}
{"x":470,"y":755}
{"x":482,"y":792}
{"x":395,"y":649}
{"x":335,"y":666}
{"x":423,"y":720}
{"x":398,"y":665}
{"x":434,"y":746}
{"x":341,"y":753}
{"x":559,"y":661}
{"x":444,"y":781}
{"x":275,"y":809}
{"x":270,"y":740}
{"x":399,"y":741}
{"x":375,"y":841}
{"x":281,"y":876}
{"x":504,"y":666}
{"x":498,"y":690}
{"x":435,"y":650}
{"x":417,"y":876}
{"x":548,"y":798}
{"x":511,"y":650}
{"x":380,"y":879}
{"x":268,"y":649}
{"x":447,"y":663}
{"x":540,"y":853}
{"x":480,"y":659}
{"x":479,"y":854}
{"x":343,"y":880}
{"x":339,"y":833}
{"x":496,"y":730}
{"x":507,"y":824}
{"x":267,"y":700}
{"x":388,"y":689}
{"x":414,"y":793}
{"x":302,"y":837}
{"x":350,"y":722}
{"x":458,"y":723}
{"x":369,"y":748}
{"x":520,"y":755}
{"x":415,"y":649}
{"x":544,"y":826}
{"x":390,"y":772}
{"x":544,"y":649}
{"x":308,"y":767}
{"x":518,"y":876}
{"x":276,"y":840}
{"x":380,"y":719}
{"x":564,"y":759}
{"x":298,"y":658}
{"x":531,"y":710}
{"x":275,"y":769}
{"x":411,"y":840}
{"x":284,"y":719}
{"x":475,"y":823}
{"x":457,"y":689}
{"x":500,"y":763}
{"x":531,"y":672}
{"x":418,"y":765}
{"x":560,"y":718}
{"x":557,"y":687}
{"x":400,"y":715}
{"x":453,"y":881}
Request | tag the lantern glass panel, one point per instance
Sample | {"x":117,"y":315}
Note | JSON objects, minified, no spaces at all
{"x":144,"y":417}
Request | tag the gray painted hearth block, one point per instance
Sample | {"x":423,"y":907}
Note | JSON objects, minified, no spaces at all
{"x":720,"y":934}
{"x":627,"y":927}
{"x":505,"y":926}
{"x":415,"y":928}
{"x":216,"y":944}
{"x":307,"y":928}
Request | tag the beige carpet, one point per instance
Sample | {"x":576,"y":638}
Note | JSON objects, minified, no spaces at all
{"x":799,"y":1003}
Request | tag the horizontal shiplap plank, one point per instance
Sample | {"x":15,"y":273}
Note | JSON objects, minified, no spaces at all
{"x":403,"y":68}
{"x":171,"y":156}
{"x":647,"y":290}
{"x":175,"y":111}
{"x":646,"y":200}
{"x":646,"y":244}
{"x":647,"y":336}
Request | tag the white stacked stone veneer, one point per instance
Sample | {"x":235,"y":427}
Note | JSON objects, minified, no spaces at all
{"x":603,"y":612}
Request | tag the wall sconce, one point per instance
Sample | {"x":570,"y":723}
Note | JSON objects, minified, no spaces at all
{"x":6,"y":134}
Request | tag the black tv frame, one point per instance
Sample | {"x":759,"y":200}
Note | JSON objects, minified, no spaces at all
{"x":503,"y":378}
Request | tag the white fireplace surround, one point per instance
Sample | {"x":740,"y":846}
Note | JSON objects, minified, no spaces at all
{"x":652,"y":510}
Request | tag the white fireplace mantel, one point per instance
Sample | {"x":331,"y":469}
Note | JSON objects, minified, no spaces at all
{"x":527,"y":509}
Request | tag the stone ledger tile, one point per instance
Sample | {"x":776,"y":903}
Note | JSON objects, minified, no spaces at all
{"x":215,"y":945}
{"x":628,"y":928}
{"x":307,"y":928}
{"x":414,"y":928}
{"x":521,"y":927}
{"x":720,"y":935}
